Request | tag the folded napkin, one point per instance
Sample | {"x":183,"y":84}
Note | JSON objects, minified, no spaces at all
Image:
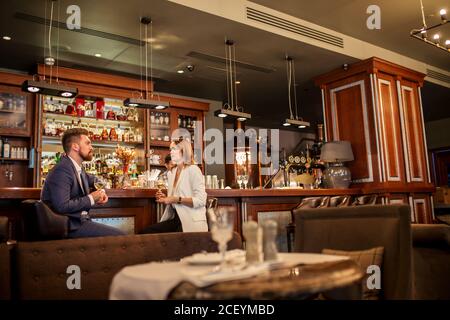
{"x":236,"y":255}
{"x":203,"y":279}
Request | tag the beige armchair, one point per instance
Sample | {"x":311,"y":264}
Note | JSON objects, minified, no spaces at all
{"x":360,"y":228}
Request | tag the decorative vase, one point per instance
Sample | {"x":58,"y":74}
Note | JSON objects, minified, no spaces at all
{"x":337,"y":176}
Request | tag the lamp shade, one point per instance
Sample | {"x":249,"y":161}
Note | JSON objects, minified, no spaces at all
{"x":336,"y":151}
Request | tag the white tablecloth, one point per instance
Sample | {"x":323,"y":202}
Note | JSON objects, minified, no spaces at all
{"x":154,"y":281}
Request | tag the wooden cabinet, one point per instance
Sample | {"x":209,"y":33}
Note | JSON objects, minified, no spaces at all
{"x":173,"y":123}
{"x":15,"y":112}
{"x":15,"y":130}
{"x":376,"y":105}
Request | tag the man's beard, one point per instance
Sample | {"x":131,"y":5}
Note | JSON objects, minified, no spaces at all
{"x":87,"y":157}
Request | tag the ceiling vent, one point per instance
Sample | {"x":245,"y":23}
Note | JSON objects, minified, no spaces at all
{"x":438,"y":76}
{"x":91,"y":32}
{"x":299,"y":29}
{"x":220,"y":60}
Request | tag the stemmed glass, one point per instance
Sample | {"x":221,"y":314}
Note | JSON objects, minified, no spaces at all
{"x":221,"y":225}
{"x":239,"y":181}
{"x":245,"y":180}
{"x":100,"y":183}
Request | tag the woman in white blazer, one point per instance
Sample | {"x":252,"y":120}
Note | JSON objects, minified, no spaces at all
{"x":186,"y":196}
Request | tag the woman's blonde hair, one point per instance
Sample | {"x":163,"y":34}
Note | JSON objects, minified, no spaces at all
{"x":186,"y":150}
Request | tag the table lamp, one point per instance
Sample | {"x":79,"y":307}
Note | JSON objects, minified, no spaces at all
{"x":335,"y":153}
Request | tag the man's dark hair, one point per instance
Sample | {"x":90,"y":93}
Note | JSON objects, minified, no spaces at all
{"x":167,"y":159}
{"x":71,"y":136}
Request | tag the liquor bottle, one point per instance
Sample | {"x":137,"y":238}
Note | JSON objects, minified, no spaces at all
{"x":131,"y":137}
{"x":126,"y":135}
{"x":99,"y":106}
{"x":105,"y":135}
{"x":104,"y":166}
{"x":98,"y":164}
{"x":6,"y":149}
{"x":112,"y":134}
{"x":119,"y":133}
{"x":1,"y":147}
{"x":14,"y":152}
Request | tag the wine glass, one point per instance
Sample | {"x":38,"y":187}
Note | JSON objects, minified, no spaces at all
{"x":239,"y":181}
{"x":245,"y":180}
{"x":221,"y":225}
{"x":100,"y":183}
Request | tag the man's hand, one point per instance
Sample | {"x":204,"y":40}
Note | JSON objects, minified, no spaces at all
{"x":104,"y":199}
{"x":99,"y":196}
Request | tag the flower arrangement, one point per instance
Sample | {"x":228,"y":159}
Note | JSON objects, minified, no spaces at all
{"x":125,"y":155}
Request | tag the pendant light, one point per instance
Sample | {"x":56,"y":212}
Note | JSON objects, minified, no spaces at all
{"x":422,"y":33}
{"x":297,"y":121}
{"x":150,"y":100}
{"x":43,"y":86}
{"x":231,"y":108}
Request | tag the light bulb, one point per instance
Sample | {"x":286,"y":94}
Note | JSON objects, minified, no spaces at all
{"x":33,"y":89}
{"x":66,"y":94}
{"x":286,"y":124}
{"x":447,"y":43}
{"x":6,"y":38}
{"x":241,"y":119}
{"x":180,"y":71}
{"x":436,"y":38}
{"x":302,"y":127}
{"x":443,"y":14}
{"x":222,"y":115}
{"x":160,"y":107}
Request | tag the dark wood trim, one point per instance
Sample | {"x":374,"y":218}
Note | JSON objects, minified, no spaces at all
{"x":371,"y":65}
{"x":83,"y":76}
{"x":14,"y":79}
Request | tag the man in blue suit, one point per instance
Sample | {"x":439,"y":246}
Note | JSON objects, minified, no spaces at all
{"x":67,"y":188}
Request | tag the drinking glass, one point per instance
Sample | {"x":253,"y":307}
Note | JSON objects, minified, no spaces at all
{"x":221,"y":225}
{"x":100,"y":183}
{"x":239,"y":181}
{"x":245,"y":180}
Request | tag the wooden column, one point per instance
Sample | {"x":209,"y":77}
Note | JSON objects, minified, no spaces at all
{"x":376,"y":105}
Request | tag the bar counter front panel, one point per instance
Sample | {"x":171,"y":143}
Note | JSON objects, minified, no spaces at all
{"x":134,"y":209}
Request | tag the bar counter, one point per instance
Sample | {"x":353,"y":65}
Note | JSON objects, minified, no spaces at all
{"x":134,"y":209}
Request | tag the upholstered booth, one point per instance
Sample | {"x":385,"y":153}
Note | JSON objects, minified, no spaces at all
{"x":431,"y":256}
{"x":41,"y":266}
{"x":361,"y":228}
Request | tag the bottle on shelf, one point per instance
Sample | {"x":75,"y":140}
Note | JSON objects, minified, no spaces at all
{"x":119,"y":133}
{"x":113,"y":134}
{"x":6,"y":149}
{"x":104,"y":134}
{"x":1,"y":147}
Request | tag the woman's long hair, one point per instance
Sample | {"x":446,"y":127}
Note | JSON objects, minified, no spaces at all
{"x":186,"y":150}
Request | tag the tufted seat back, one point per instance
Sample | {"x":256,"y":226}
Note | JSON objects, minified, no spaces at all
{"x":42,"y":266}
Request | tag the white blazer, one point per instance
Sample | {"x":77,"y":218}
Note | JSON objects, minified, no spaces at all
{"x":191,"y":184}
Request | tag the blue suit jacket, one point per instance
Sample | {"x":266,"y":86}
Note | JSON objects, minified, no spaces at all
{"x":63,"y":193}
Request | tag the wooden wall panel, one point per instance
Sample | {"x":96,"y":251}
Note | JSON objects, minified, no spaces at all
{"x":389,"y":128}
{"x":414,"y":149}
{"x":421,"y":208}
{"x":350,"y":121}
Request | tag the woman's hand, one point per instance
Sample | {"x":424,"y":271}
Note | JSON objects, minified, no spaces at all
{"x":159,"y":194}
{"x":167,"y":200}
